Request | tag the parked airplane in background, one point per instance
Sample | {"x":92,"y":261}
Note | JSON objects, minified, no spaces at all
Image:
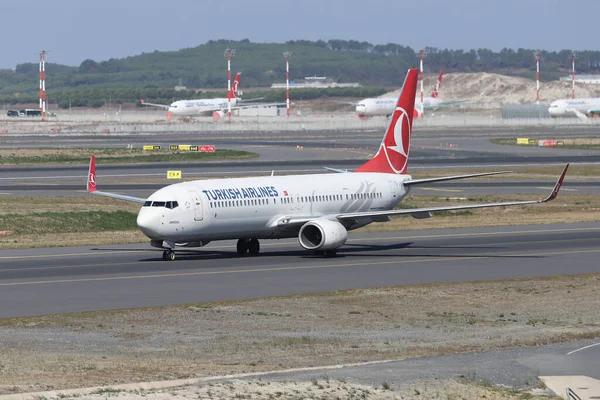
{"x":216,"y":107}
{"x":580,"y":108}
{"x":384,"y":106}
{"x":317,"y":209}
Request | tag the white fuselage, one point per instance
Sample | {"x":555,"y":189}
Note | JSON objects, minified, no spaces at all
{"x":254,"y":207}
{"x":200,"y":106}
{"x":570,"y":107}
{"x":385,"y":106}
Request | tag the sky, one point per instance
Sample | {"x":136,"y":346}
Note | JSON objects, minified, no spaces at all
{"x":75,"y":30}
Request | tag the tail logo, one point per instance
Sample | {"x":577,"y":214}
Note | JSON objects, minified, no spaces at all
{"x":92,"y":180}
{"x":397,"y":155}
{"x":234,"y":86}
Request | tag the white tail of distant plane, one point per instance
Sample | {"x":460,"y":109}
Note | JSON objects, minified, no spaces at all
{"x":318,"y":209}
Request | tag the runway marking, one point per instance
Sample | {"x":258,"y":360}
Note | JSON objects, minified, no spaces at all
{"x":583,"y":348}
{"x":278,"y":269}
{"x":454,"y":235}
{"x":443,"y":190}
{"x":272,"y":244}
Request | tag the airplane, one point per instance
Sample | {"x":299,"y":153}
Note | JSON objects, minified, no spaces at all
{"x":216,"y":107}
{"x":580,"y":108}
{"x":317,"y":209}
{"x":384,"y":106}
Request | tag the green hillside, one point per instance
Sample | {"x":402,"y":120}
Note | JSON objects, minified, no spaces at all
{"x":152,"y":76}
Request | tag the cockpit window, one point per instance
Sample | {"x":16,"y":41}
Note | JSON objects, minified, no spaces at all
{"x":166,"y":204}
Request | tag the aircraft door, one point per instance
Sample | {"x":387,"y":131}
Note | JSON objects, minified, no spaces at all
{"x":196,"y":205}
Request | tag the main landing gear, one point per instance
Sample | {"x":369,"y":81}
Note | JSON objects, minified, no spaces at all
{"x":248,"y":245}
{"x":169,"y":255}
{"x":327,"y":253}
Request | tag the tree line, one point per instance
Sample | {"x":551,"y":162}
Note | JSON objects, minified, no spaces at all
{"x":153,"y":75}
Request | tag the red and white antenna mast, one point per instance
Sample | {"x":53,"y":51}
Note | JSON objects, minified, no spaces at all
{"x":421,"y":70}
{"x":229,"y":53}
{"x":287,"y":55}
{"x":43,"y":84}
{"x":573,"y":75}
{"x":537,"y":78}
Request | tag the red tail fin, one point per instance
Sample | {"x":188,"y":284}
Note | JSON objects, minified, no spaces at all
{"x":234,"y":86}
{"x":436,"y":88}
{"x":91,"y":181}
{"x":392,"y":156}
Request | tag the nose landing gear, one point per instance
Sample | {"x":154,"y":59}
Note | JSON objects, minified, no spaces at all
{"x":168,"y":255}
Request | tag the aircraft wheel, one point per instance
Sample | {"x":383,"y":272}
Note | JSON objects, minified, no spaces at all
{"x":169,"y":255}
{"x":254,"y":246}
{"x":242,"y":246}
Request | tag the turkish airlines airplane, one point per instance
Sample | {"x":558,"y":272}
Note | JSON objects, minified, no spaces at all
{"x":384,"y":106}
{"x":216,"y":107}
{"x":581,"y":108}
{"x":317,"y":209}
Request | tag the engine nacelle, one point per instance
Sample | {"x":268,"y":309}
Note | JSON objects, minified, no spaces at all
{"x":218,"y":114}
{"x":322,"y":234}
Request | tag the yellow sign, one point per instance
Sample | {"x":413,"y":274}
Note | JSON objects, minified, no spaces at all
{"x":173,"y":147}
{"x":173,"y":174}
{"x":150,"y":148}
{"x":184,"y":147}
{"x":560,"y":143}
{"x":532,"y":141}
{"x":522,"y":140}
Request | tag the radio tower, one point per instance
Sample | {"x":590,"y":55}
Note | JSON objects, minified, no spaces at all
{"x":421,"y":69}
{"x":229,"y":53}
{"x":537,"y":78}
{"x":287,"y":55}
{"x":573,"y":75}
{"x":43,"y":84}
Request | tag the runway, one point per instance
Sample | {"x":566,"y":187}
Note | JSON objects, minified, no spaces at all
{"x":57,"y":280}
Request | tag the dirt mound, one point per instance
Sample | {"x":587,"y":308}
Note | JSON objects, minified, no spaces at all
{"x":495,"y":89}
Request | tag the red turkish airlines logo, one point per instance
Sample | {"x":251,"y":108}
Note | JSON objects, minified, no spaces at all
{"x":234,"y":86}
{"x":397,"y":154}
{"x":92,"y":180}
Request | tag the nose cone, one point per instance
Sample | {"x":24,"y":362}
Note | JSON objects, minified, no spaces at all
{"x":361,"y":109}
{"x":147,"y":221}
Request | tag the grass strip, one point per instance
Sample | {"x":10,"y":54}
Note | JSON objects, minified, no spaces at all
{"x":82,"y":156}
{"x":63,"y":222}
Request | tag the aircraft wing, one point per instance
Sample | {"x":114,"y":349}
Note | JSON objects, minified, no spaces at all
{"x":451,"y":178}
{"x":91,"y":186}
{"x":423,"y":212}
{"x":163,"y":106}
{"x":349,"y":103}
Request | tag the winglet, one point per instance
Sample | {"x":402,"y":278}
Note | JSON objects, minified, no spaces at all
{"x":556,"y":187}
{"x":91,"y":180}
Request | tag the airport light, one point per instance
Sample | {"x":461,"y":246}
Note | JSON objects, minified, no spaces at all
{"x":421,"y":71}
{"x":537,"y":78}
{"x":287,"y":55}
{"x":229,"y":53}
{"x":573,"y":75}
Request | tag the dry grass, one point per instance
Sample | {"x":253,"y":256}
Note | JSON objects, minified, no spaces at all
{"x":174,"y":342}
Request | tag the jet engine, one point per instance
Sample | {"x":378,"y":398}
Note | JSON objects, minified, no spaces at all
{"x":322,"y":234}
{"x":217,"y":115}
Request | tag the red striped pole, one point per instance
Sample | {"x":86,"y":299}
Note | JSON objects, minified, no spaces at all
{"x":287,"y":55}
{"x":421,"y":70}
{"x":43,"y":84}
{"x":228,"y":84}
{"x":573,"y":76}
{"x":537,"y":78}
